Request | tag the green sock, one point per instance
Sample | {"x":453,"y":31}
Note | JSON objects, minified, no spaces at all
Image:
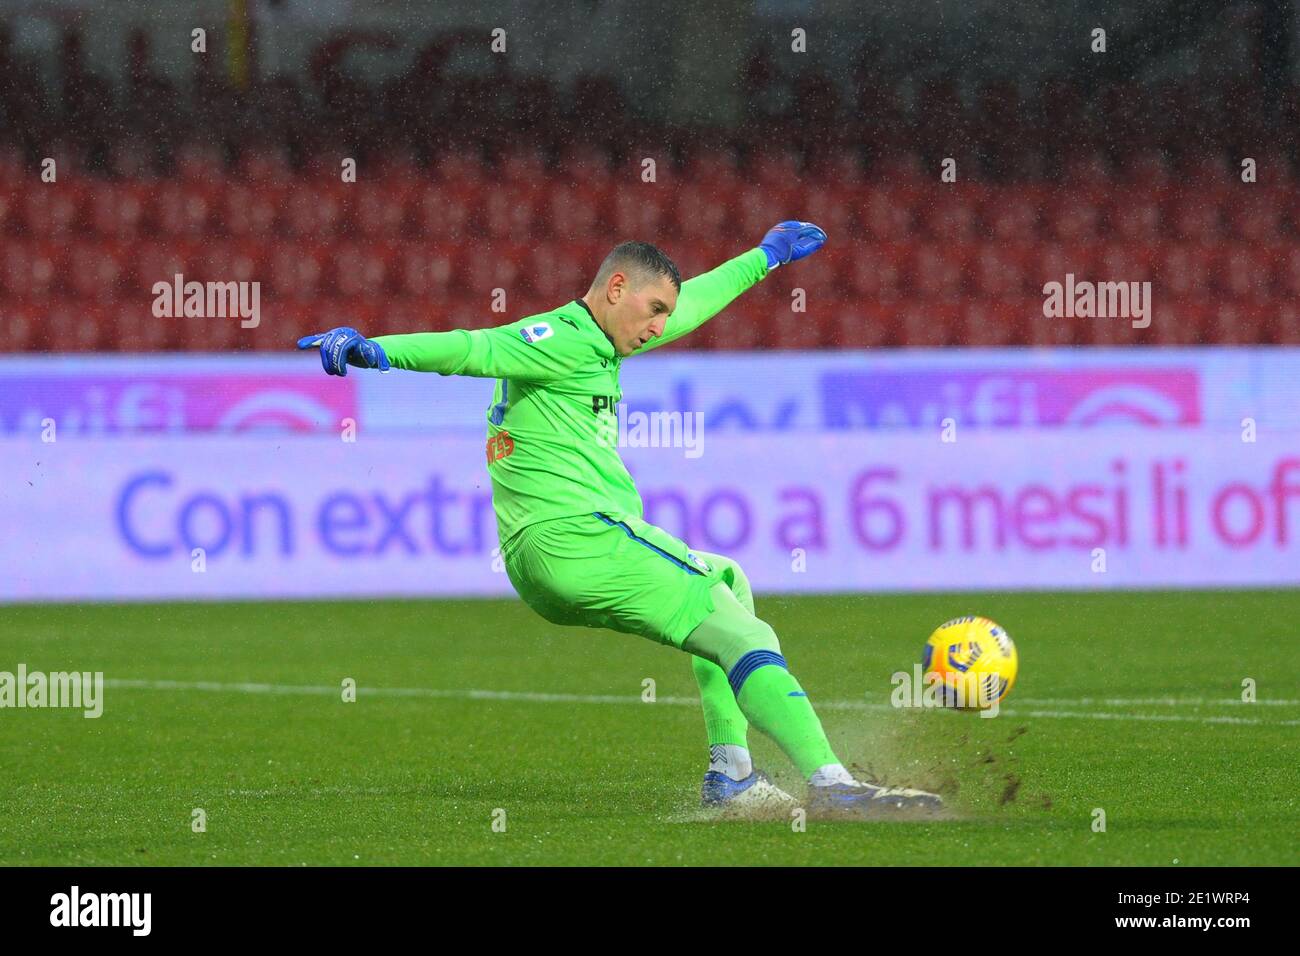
{"x":773,"y":700}
{"x":723,"y":721}
{"x":747,"y":650}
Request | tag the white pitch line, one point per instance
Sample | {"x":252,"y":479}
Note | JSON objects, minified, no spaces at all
{"x":1157,"y":702}
{"x":556,"y":698}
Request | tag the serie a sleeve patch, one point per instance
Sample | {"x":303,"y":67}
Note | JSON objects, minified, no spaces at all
{"x":535,"y":333}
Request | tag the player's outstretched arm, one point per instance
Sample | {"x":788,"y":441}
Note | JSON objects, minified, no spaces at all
{"x":482,"y":353}
{"x":704,"y":296}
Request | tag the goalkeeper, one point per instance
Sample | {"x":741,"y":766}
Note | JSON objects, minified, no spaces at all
{"x":569,"y":517}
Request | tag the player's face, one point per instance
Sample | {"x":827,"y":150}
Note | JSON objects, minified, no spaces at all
{"x":640,"y":313}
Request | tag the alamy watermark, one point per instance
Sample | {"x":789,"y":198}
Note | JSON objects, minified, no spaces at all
{"x":973,"y":691}
{"x":208,"y":300}
{"x":1098,"y":300}
{"x":621,"y":428}
{"x":77,"y":690}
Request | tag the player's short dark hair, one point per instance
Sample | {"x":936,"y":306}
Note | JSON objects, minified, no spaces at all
{"x":639,"y":259}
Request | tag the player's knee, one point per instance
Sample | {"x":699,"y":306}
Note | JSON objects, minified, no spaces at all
{"x":764,"y":638}
{"x":730,"y":632}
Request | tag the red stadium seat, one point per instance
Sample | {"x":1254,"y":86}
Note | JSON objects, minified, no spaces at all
{"x":179,"y":208}
{"x":265,"y":164}
{"x":511,"y":211}
{"x":154,"y":261}
{"x":1240,"y":323}
{"x":840,"y":168}
{"x":696,"y":258}
{"x":1013,"y":214}
{"x":199,"y":163}
{"x":563,"y":271}
{"x":229,"y":260}
{"x":704,"y":211}
{"x":72,"y":326}
{"x":742,"y":327}
{"x":522,"y":167}
{"x":1001,"y":270}
{"x":1088,"y":171}
{"x":817,"y":275}
{"x":31,"y":268}
{"x":428,"y":270}
{"x":930,"y":324}
{"x":880,"y":272}
{"x":442,"y":211}
{"x":21,"y":319}
{"x":299,"y":269}
{"x":1109,"y":332}
{"x":250,"y":210}
{"x":312,"y":211}
{"x":1049,"y":331}
{"x":1123,"y":262}
{"x":1255,"y":213}
{"x":758,"y":208}
{"x":1176,"y":322}
{"x":1054,"y":261}
{"x":218,"y":334}
{"x":499,"y":266}
{"x":1072,"y":216}
{"x":1194,"y":216}
{"x":1287,"y":263}
{"x":795,"y":330}
{"x":379,"y":209}
{"x":1286,"y":323}
{"x":574,"y":212}
{"x":50,"y":210}
{"x":862,"y":324}
{"x":284,"y":321}
{"x":939,"y":269}
{"x":775,"y":168}
{"x":139,"y":330}
{"x":886,"y":212}
{"x":1184,"y":269}
{"x":411,"y":315}
{"x":1244,"y":271}
{"x":641,"y":209}
{"x":953,"y":215}
{"x":94,"y":270}
{"x":834,"y":208}
{"x":116,"y":210}
{"x":707,"y":165}
{"x":996,"y":323}
{"x":1145,"y":170}
{"x":1135,"y":216}
{"x":585,"y":166}
{"x":363,"y":268}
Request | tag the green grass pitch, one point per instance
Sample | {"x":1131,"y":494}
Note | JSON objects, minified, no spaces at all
{"x":1127,"y":702}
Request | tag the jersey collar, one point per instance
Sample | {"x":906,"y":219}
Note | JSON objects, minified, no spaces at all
{"x":586,"y":309}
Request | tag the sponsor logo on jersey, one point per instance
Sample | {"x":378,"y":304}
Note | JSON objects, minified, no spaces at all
{"x":499,"y":446}
{"x":535,"y":333}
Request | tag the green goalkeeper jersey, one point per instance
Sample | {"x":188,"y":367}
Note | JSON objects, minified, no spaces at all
{"x":552,"y":449}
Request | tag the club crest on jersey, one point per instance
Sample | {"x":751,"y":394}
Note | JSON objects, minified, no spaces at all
{"x":535,"y":333}
{"x":699,"y":562}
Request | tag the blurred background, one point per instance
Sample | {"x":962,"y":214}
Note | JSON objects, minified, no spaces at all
{"x":518,"y":169}
{"x":502,"y":146}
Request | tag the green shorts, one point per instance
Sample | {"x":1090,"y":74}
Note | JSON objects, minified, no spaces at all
{"x":614,"y":571}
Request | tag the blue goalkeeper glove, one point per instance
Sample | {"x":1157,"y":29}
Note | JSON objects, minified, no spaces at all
{"x":791,"y":240}
{"x":342,"y":347}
